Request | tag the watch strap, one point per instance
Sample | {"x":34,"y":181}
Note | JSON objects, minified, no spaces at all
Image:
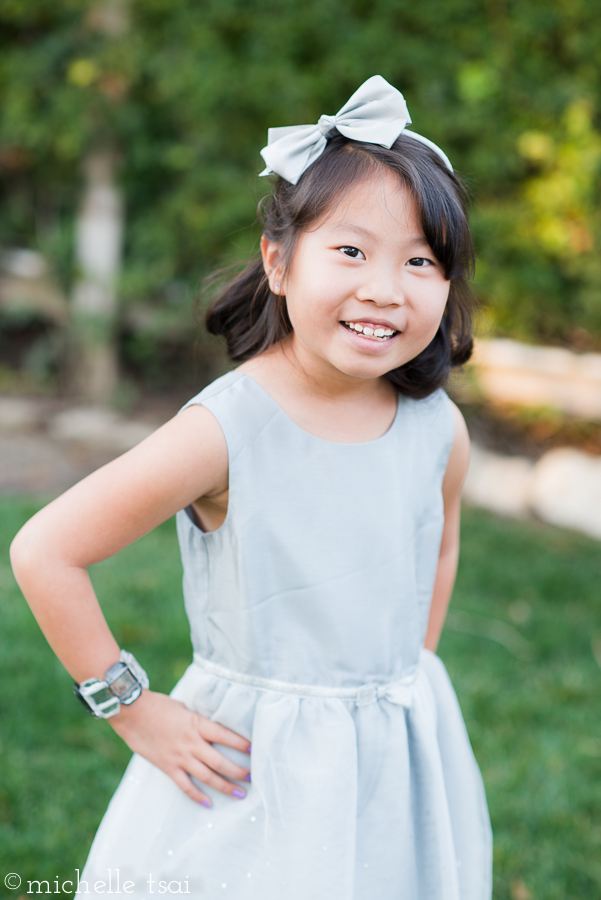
{"x":106,"y":706}
{"x":130,"y":660}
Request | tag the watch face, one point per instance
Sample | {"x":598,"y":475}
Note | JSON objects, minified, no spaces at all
{"x":123,"y":684}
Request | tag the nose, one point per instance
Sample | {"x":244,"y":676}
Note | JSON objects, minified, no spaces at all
{"x":382,"y":286}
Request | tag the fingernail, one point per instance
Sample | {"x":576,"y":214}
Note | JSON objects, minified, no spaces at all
{"x":247,"y":776}
{"x":206,"y":803}
{"x":238,"y":793}
{"x":248,"y":748}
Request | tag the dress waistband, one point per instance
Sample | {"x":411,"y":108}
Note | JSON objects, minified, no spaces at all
{"x":399,"y":692}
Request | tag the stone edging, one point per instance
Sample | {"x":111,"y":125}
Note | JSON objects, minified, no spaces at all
{"x":510,"y":372}
{"x":563,"y":487}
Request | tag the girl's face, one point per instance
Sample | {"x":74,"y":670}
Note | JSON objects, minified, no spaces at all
{"x":364,"y":291}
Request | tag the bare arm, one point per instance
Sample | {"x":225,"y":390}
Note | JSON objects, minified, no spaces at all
{"x":449,"y":547}
{"x":182,"y":461}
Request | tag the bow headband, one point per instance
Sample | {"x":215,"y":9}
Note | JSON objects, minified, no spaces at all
{"x":376,"y":113}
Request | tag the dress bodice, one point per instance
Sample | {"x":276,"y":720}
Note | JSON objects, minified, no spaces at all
{"x":322,"y":572}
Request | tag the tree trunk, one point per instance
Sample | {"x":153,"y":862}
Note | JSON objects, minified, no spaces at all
{"x":99,"y":244}
{"x":99,"y":237}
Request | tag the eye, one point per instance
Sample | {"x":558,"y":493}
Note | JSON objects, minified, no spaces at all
{"x":420,"y":262}
{"x":352,"y":252}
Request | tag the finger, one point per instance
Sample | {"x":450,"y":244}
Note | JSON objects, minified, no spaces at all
{"x":219,"y":734}
{"x":212,"y":779}
{"x":215,"y":760}
{"x":185,"y":783}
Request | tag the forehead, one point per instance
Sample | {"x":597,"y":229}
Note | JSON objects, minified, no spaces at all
{"x":380,"y":200}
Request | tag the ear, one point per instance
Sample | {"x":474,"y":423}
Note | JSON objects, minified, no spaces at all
{"x":272,"y":265}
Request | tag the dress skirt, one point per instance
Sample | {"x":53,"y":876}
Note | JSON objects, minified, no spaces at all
{"x":366,"y":794}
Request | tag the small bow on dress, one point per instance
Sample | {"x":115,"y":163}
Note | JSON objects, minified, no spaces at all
{"x":376,"y":113}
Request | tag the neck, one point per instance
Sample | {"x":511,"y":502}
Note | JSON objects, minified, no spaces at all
{"x":322,"y":400}
{"x":302,"y":370}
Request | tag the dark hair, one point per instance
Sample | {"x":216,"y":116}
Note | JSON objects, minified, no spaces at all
{"x":252,"y":318}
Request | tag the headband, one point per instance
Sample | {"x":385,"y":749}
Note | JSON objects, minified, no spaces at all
{"x":376,"y":113}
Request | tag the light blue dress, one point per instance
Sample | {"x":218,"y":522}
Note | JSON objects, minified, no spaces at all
{"x":308,"y":609}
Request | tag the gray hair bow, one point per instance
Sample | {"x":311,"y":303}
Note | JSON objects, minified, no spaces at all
{"x":376,"y":113}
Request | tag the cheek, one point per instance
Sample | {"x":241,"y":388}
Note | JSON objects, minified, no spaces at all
{"x":433,"y":304}
{"x":312,"y":303}
{"x":428,"y":312}
{"x":304,"y":315}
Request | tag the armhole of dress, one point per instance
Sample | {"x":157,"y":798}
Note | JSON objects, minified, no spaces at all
{"x":206,"y":402}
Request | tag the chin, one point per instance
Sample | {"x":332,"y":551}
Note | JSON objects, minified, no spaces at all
{"x":366,"y":369}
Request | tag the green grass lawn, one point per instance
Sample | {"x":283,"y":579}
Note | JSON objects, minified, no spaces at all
{"x":521,"y":643}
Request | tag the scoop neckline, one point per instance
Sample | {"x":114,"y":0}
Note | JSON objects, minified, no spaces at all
{"x":315,"y":437}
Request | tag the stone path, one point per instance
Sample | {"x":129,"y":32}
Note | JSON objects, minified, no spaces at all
{"x":47,"y":446}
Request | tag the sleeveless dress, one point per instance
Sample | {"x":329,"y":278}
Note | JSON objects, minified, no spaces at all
{"x":308,"y":609}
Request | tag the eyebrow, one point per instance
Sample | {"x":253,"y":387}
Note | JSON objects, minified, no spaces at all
{"x":413,"y":240}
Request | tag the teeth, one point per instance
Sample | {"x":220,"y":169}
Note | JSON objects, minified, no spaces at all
{"x":377,"y":331}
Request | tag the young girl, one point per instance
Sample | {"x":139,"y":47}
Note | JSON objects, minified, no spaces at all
{"x":317,"y":492}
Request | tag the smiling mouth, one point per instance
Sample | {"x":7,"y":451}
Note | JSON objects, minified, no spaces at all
{"x":371,"y":331}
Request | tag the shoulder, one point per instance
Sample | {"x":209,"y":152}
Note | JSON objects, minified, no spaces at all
{"x":210,"y":394}
{"x":238,"y":404}
{"x":459,"y":455}
{"x":435,"y":422}
{"x":202,"y":416}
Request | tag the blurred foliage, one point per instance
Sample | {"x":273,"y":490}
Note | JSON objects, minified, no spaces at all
{"x":187,"y":88}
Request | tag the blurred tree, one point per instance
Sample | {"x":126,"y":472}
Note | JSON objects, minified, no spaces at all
{"x":187,"y":92}
{"x":99,"y":233}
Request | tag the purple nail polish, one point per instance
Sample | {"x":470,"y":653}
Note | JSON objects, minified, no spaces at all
{"x":247,"y":776}
{"x":238,"y":793}
{"x":206,"y":803}
{"x":248,"y":748}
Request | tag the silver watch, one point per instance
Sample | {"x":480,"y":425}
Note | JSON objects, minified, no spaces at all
{"x":123,"y":683}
